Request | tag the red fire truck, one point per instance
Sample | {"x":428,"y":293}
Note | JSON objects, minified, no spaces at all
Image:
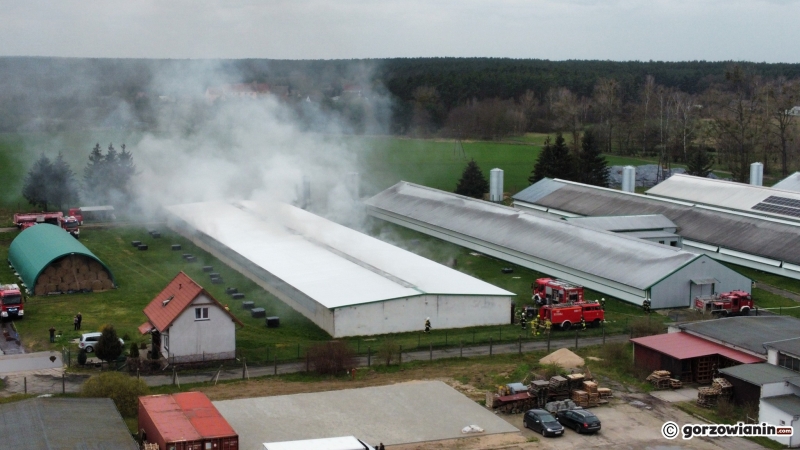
{"x":566,"y":315}
{"x":10,"y":301}
{"x":550,"y":290}
{"x":733,"y":303}
{"x":68,"y":223}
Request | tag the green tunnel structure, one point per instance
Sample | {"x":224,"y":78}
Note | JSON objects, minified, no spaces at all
{"x":50,"y":260}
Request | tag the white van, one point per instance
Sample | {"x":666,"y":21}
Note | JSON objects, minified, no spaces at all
{"x":337,"y":443}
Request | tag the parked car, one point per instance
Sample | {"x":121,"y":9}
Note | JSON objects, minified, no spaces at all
{"x":580,"y":420}
{"x":543,"y":422}
{"x":89,"y":341}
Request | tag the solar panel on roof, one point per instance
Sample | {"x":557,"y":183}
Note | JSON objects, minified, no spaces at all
{"x":774,"y":199}
{"x":779,"y":205}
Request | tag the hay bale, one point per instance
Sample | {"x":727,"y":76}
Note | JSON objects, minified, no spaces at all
{"x":564,"y":358}
{"x":107,"y":284}
{"x":102,"y":275}
{"x":74,"y":286}
{"x":85,"y":284}
{"x":39,"y":290}
{"x":94,"y":266}
{"x":55,"y":279}
{"x":83,"y":268}
{"x":91,"y":276}
{"x":63,"y":286}
{"x":50,"y":271}
{"x":51,"y":287}
{"x":97,"y":285}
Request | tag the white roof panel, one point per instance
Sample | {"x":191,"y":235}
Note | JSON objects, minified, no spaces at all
{"x":313,"y":257}
{"x":790,"y":183}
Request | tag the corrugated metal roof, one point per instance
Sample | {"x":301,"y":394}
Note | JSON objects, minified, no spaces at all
{"x":720,"y":193}
{"x":330,"y":263}
{"x":790,"y":404}
{"x":38,"y":246}
{"x":63,"y":423}
{"x":790,"y":183}
{"x":174,"y":299}
{"x":203,"y":415}
{"x":790,"y":346}
{"x":686,"y":346}
{"x":751,"y":235}
{"x":625,"y":260}
{"x":641,"y":222}
{"x":760,"y":374}
{"x":168,"y":418}
{"x":747,"y":332}
{"x":651,"y":235}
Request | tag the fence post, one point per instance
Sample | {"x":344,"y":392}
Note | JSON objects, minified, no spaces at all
{"x":358,"y":347}
{"x":69,"y":352}
{"x":445,"y":338}
{"x":473,"y":337}
{"x":576,"y":338}
{"x":244,"y":365}
{"x":430,"y":350}
{"x":603,"y":324}
{"x":501,"y":333}
{"x":548,"y":342}
{"x":369,"y":356}
{"x":63,"y":383}
{"x":173,"y":375}
{"x":460,"y":348}
{"x":308,"y":362}
{"x":519,"y":343}
{"x":419,"y":339}
{"x":490,"y":346}
{"x":400,"y":356}
{"x":25,"y":385}
{"x":276,"y":364}
{"x":298,"y":350}
{"x":137,"y":373}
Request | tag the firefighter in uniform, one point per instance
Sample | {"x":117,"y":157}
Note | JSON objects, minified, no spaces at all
{"x":547,"y":325}
{"x":522,"y":321}
{"x":646,"y":305}
{"x":535,"y":326}
{"x":583,"y":324}
{"x":603,"y":303}
{"x":428,"y":325}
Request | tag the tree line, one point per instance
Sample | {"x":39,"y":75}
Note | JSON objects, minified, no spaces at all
{"x":106,"y":180}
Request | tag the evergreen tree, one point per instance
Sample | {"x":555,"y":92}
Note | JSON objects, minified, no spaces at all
{"x":555,"y":161}
{"x":107,"y":176}
{"x":699,"y":162}
{"x":108,"y":347}
{"x":36,"y":188}
{"x":63,"y":189}
{"x":472,"y":183}
{"x":592,"y":165}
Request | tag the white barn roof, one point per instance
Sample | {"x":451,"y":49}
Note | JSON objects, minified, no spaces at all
{"x":617,"y":258}
{"x":790,"y":183}
{"x":332,"y":264}
{"x":759,"y":200}
{"x":643,"y":222}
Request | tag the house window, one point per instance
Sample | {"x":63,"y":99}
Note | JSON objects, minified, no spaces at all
{"x":201,"y":314}
{"x":789,"y":362}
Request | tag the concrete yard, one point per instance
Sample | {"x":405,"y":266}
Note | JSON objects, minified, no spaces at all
{"x":401,"y":413}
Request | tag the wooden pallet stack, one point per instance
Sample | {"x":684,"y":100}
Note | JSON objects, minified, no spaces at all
{"x":559,"y":386}
{"x":591,"y":388}
{"x":724,"y":386}
{"x":539,"y":389}
{"x":660,"y":379}
{"x":581,"y":398}
{"x":675,"y":383}
{"x":707,"y":396}
{"x":604,"y":392}
{"x":575,"y":381}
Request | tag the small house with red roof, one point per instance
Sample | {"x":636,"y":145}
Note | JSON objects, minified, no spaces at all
{"x":187,"y":324}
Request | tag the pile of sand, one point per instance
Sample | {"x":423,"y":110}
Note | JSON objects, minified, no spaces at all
{"x":564,"y":358}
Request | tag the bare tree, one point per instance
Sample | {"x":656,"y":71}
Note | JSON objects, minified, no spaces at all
{"x":784,"y":96}
{"x":648,"y":89}
{"x":686,"y":112}
{"x":568,"y":114}
{"x":607,"y":99}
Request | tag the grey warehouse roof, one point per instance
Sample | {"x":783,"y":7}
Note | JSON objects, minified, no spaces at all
{"x":774,"y":239}
{"x":64,"y":423}
{"x":629,"y":261}
{"x":790,"y":404}
{"x":720,"y":193}
{"x":790,"y":346}
{"x":747,"y":332}
{"x":646,"y":222}
{"x":760,"y":374}
{"x":790,"y":183}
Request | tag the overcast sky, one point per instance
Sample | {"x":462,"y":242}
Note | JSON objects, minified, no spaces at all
{"x":751,"y":30}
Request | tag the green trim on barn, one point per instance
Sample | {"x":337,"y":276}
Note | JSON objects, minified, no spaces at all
{"x":39,"y":246}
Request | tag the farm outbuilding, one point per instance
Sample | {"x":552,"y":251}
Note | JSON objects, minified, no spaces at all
{"x":688,"y":358}
{"x":49,"y":260}
{"x":616,"y":265}
{"x":346,"y":282}
{"x":745,"y":238}
{"x":751,"y":382}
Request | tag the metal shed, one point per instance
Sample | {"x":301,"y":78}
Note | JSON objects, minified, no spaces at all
{"x":47,"y":250}
{"x":759,"y":242}
{"x":623,"y":267}
{"x":185,"y":421}
{"x":751,"y":382}
{"x":346,"y":282}
{"x":64,"y":423}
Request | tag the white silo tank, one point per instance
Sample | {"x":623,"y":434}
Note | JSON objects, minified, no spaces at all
{"x":757,"y":174}
{"x":629,"y":179}
{"x":496,"y":185}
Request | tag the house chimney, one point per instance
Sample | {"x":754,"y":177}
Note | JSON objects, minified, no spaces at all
{"x":629,"y":179}
{"x":496,"y":185}
{"x":757,"y":174}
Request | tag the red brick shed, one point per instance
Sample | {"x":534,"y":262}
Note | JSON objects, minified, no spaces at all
{"x":185,"y":421}
{"x":689,"y":358}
